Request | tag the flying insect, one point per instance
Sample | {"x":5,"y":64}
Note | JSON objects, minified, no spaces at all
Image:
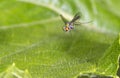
{"x":69,"y":25}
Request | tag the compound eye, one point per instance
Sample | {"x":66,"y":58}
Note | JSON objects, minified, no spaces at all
{"x":67,"y":28}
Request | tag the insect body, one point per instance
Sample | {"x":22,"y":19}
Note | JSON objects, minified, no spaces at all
{"x":69,"y":25}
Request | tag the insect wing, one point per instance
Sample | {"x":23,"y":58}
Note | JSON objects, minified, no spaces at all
{"x":64,"y":20}
{"x":76,"y":17}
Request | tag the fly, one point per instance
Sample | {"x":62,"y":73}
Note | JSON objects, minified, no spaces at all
{"x":69,"y":25}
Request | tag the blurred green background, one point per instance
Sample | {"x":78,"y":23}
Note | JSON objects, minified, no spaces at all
{"x":33,"y":44}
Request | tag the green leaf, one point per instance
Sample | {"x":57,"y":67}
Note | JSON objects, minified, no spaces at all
{"x":111,"y":59}
{"x":14,"y":72}
{"x":119,"y":38}
{"x":108,"y":64}
{"x":31,"y":36}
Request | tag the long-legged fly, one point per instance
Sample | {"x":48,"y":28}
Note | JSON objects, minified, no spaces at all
{"x":69,"y":25}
